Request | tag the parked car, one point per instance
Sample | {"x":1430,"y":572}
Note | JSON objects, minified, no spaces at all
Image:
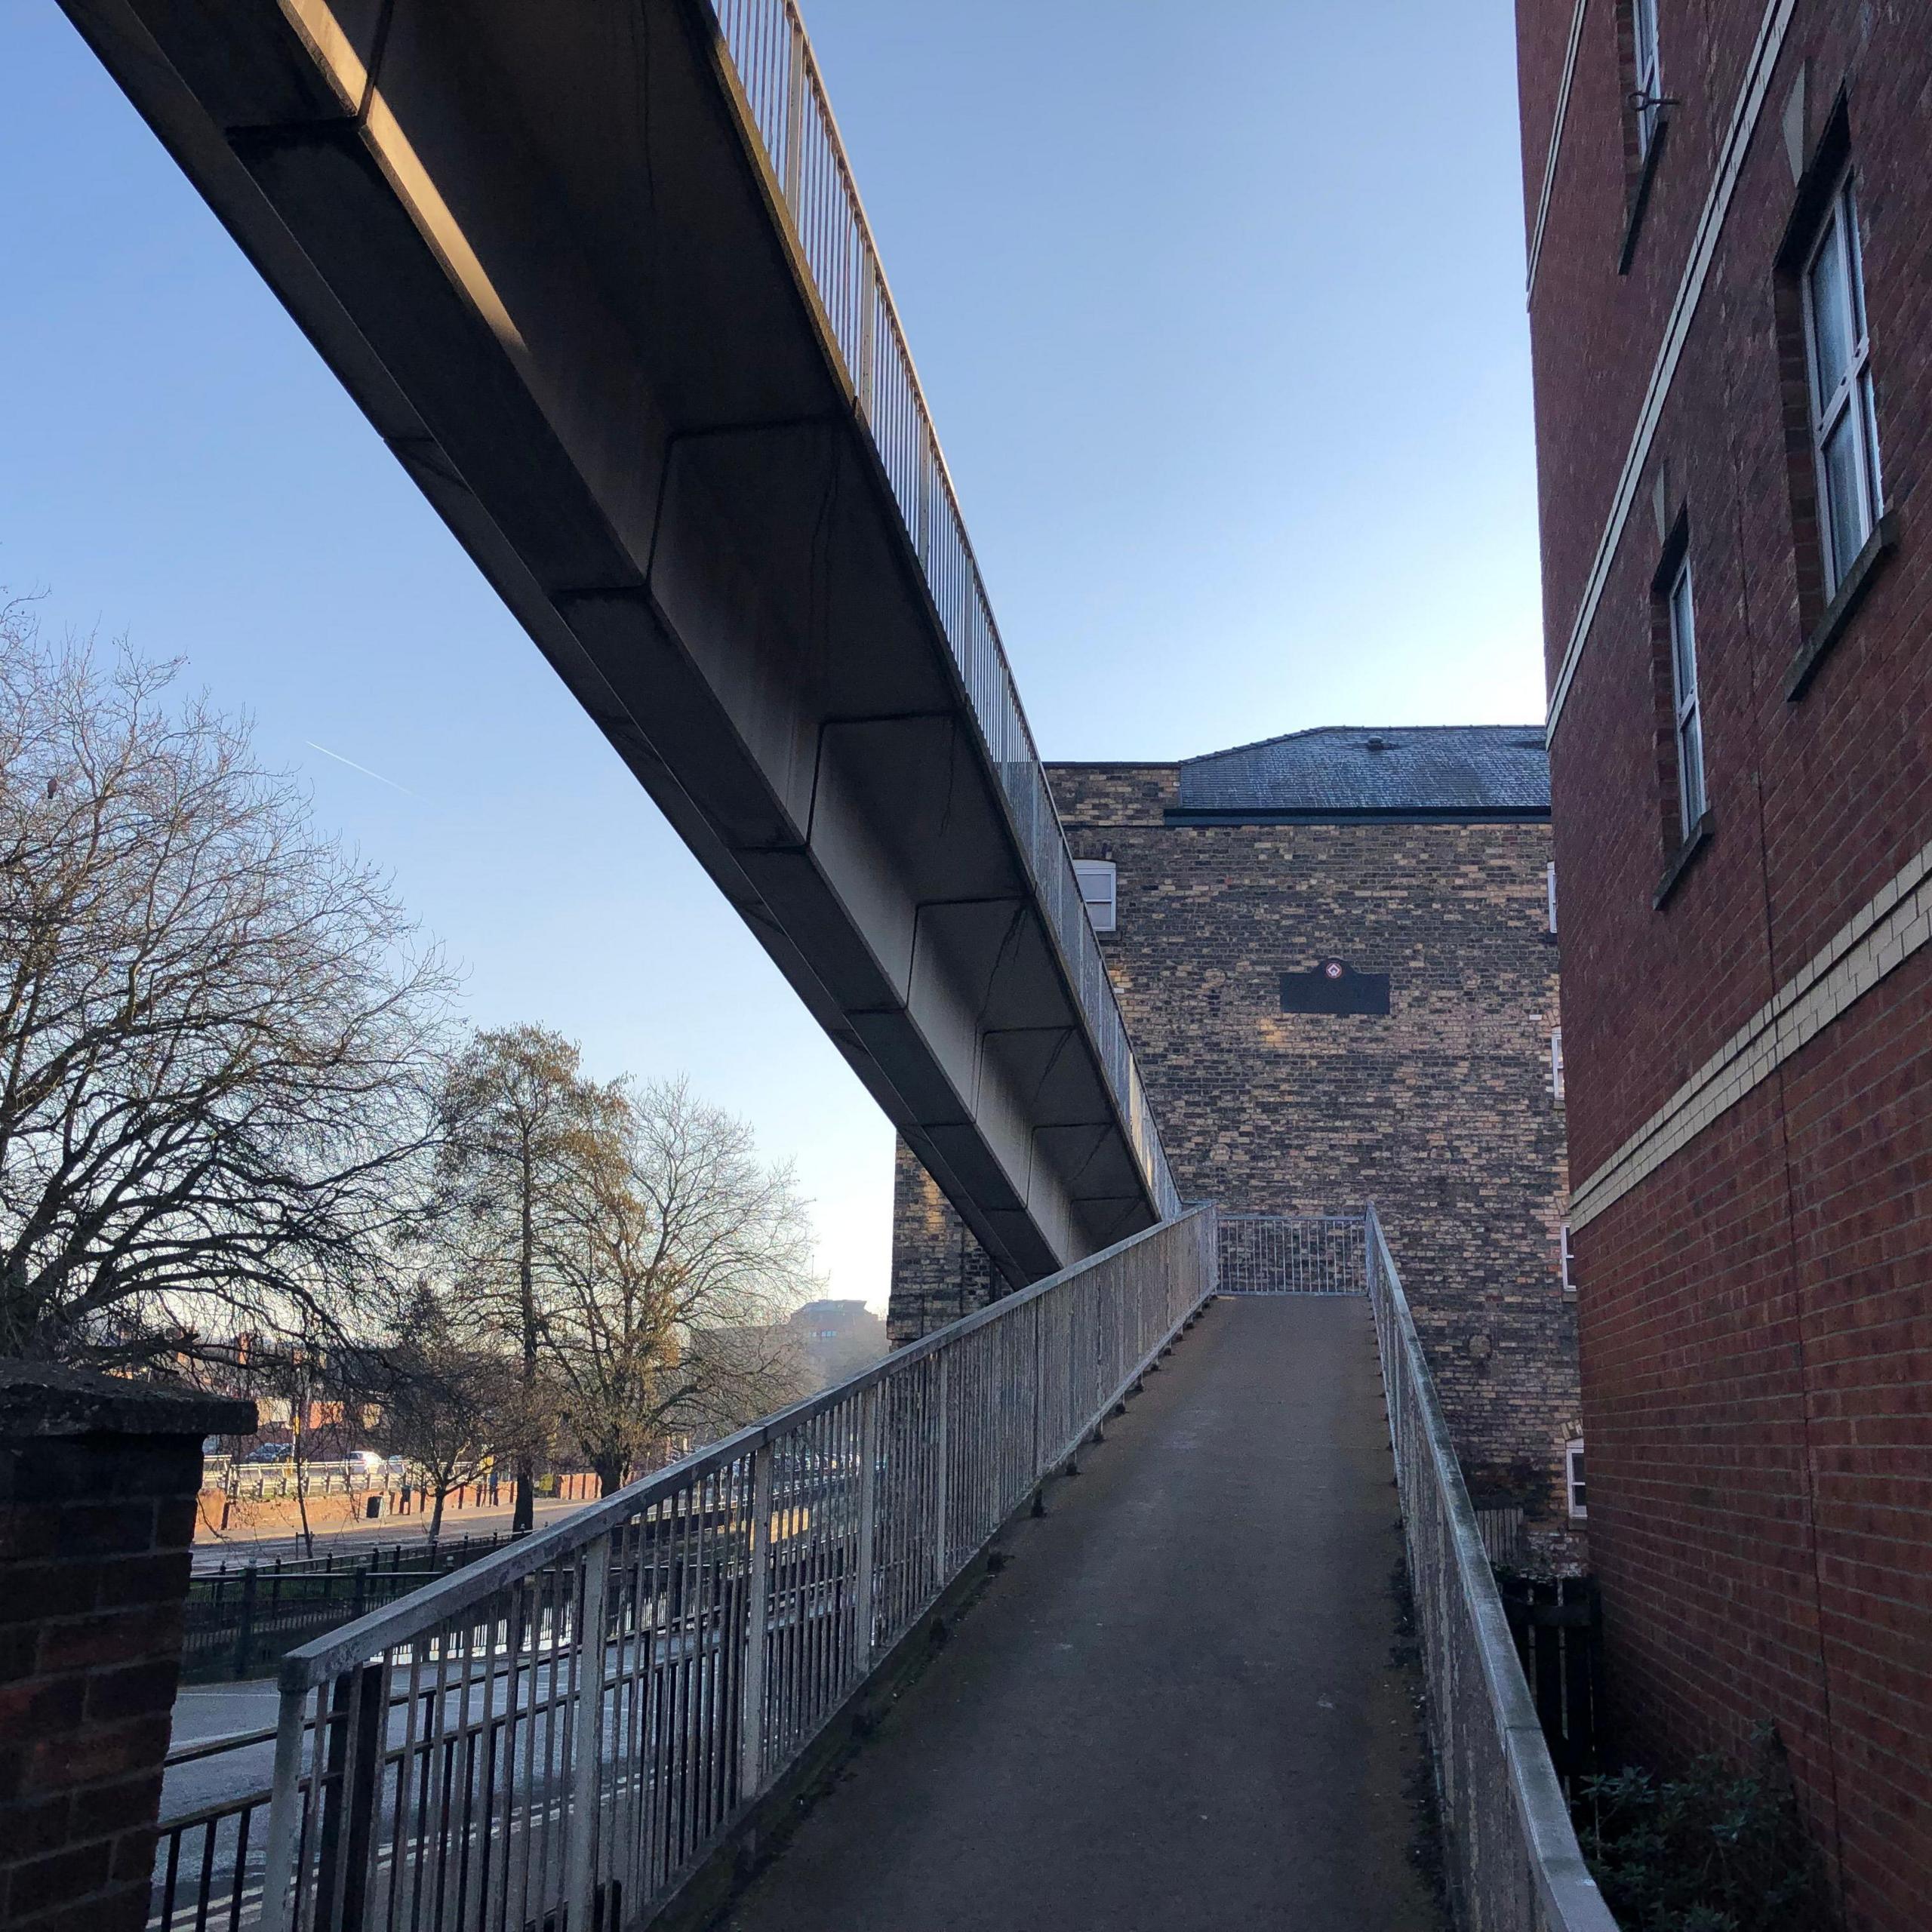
{"x":371,"y":1462}
{"x":270,"y":1452}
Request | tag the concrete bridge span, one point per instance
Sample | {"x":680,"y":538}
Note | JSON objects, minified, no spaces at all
{"x":598,"y":275}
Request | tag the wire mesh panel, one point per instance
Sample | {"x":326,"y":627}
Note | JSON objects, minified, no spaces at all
{"x":555,"y":1735}
{"x":1292,"y":1254}
{"x":784,"y":96}
{"x":1513,"y":1858}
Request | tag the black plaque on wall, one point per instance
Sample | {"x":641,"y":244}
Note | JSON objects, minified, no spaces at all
{"x":1334,"y":987}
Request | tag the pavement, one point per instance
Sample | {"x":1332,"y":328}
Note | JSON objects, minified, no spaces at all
{"x":263,"y":1545}
{"x":1179,"y":1706}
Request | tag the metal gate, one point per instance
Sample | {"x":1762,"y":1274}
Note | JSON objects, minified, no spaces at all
{"x":1292,"y":1254}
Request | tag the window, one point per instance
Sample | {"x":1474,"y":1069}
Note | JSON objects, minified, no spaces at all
{"x":1684,"y":685}
{"x":1096,"y":891}
{"x":1550,"y":880}
{"x":1844,"y":441}
{"x":1563,"y":1258}
{"x":1646,"y":96}
{"x":1573,"y":1477}
{"x":1556,"y":1062}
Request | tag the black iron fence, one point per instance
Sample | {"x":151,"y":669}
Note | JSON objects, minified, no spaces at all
{"x":240,"y":1622}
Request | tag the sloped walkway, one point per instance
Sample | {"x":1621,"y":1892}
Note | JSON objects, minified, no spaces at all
{"x":1179,"y":1709}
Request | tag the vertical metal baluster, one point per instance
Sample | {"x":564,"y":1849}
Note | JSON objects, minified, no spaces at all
{"x":278,"y":1875}
{"x":405,"y":1779}
{"x":943,"y":1461}
{"x":239,"y":1881}
{"x":560,"y":1582}
{"x":587,"y":1727}
{"x":868,"y":1409}
{"x":751,"y":1721}
{"x":711,"y":1636}
{"x":463,"y":1761}
{"x":795,"y":112}
{"x":204,"y":1885}
{"x":671,"y":1749}
{"x":634,"y":1666}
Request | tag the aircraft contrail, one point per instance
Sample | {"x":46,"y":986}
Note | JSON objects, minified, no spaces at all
{"x":363,"y":768}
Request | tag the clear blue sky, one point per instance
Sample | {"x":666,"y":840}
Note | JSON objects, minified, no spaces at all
{"x":1221,"y":315}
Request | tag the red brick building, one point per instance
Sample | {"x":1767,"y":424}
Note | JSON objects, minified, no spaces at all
{"x":1730,"y":298}
{"x":1413,"y":865}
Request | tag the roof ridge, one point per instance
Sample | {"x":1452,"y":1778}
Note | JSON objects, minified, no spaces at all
{"x":1318,"y":730}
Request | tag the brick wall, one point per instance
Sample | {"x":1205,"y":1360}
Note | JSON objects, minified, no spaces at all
{"x":1441,"y":1113}
{"x":97,"y":1518}
{"x":1755,"y":1346}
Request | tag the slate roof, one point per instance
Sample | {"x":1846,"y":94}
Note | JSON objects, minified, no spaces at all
{"x":1351,"y":769}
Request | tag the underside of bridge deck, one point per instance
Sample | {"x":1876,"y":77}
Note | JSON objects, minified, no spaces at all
{"x":1183,"y":1705}
{"x":544,"y":249}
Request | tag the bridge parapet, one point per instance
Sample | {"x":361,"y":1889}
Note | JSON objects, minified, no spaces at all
{"x":1514,"y":1861}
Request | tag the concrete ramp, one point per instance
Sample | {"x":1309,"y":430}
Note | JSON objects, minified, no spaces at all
{"x":1182,"y":1705}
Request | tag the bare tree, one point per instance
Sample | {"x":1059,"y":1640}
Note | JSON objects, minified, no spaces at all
{"x":675,"y":1258}
{"x":520,"y":1125}
{"x":452,"y":1407}
{"x":217,"y":1035}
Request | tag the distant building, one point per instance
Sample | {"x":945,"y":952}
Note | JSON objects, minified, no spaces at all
{"x":1730,"y":311}
{"x":837,"y":1337}
{"x":1334,"y":952}
{"x":779,"y":1362}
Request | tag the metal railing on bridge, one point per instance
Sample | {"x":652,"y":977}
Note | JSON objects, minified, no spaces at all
{"x":1514,"y":1861}
{"x":560,"y":1733}
{"x":784,"y":99}
{"x":1291,"y":1254}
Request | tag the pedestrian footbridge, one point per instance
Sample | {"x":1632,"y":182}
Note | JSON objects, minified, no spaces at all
{"x":1122,"y":1603}
{"x":597,"y":272}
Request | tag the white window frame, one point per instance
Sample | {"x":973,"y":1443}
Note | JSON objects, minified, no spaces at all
{"x":1102,"y":907}
{"x":1574,"y":1481}
{"x":1550,"y":875}
{"x":1851,"y":394}
{"x":1563,"y":1257}
{"x":1647,"y":95}
{"x":1680,"y":616}
{"x":1556,"y":1062}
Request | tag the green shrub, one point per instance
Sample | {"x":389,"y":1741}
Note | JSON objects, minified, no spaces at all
{"x":1721,"y":1850}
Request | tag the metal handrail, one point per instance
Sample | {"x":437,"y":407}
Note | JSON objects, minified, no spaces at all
{"x":573,"y":1723}
{"x":1512,"y":1853}
{"x":774,"y":74}
{"x":1271,"y":1254}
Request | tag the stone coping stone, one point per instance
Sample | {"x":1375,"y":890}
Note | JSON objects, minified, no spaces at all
{"x":45,"y":1398}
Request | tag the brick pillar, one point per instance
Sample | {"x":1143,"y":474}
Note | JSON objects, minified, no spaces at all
{"x":98,"y":1478}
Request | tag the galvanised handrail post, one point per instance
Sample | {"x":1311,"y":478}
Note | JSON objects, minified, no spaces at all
{"x":750,"y":1720}
{"x":866,"y":1557}
{"x":278,"y":1870}
{"x":942,"y":1470}
{"x":795,"y":83}
{"x":587,"y":1727}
